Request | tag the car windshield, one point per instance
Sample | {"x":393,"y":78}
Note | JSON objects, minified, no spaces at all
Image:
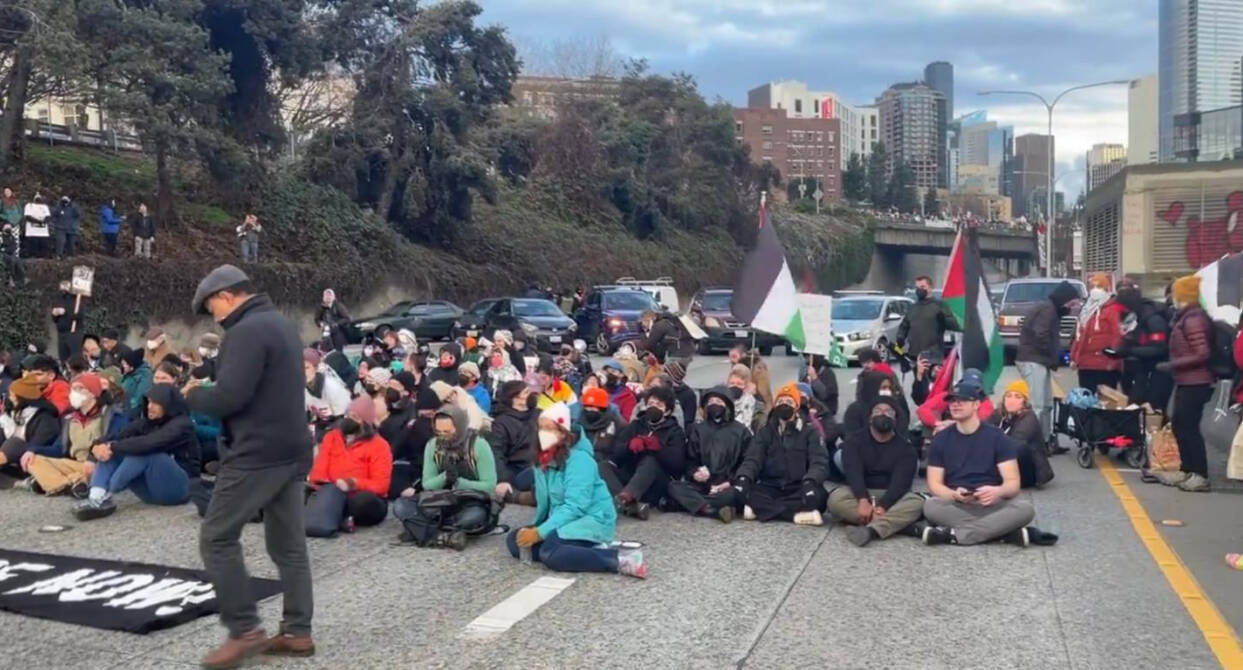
{"x":535,"y":308}
{"x":480,"y":308}
{"x":399,"y":308}
{"x":857,"y":310}
{"x":717,"y":302}
{"x":631,"y":301}
{"x":1034,"y":291}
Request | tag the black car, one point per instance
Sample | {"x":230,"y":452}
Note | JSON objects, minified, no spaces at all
{"x":427,"y":319}
{"x":546,"y":326}
{"x":610,"y":316}
{"x":473,"y":320}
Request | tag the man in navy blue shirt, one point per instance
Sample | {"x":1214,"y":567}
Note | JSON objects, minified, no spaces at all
{"x":973,"y":475}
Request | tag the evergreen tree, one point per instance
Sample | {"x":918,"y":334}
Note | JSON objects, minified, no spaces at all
{"x":877,"y":177}
{"x":901,"y":189}
{"x":855,"y":179}
{"x":932,"y":206}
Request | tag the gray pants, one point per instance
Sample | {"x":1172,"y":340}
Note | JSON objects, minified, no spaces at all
{"x":142,"y":246}
{"x":250,"y":251}
{"x":1040,"y":389}
{"x":238,"y":496}
{"x":974,"y":524}
{"x":844,"y":505}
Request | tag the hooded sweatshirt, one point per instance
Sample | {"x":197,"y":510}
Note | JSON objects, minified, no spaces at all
{"x":466,"y":453}
{"x":1040,"y":336}
{"x":866,"y":393}
{"x":719,"y":447}
{"x":447,"y":375}
{"x":171,"y":434}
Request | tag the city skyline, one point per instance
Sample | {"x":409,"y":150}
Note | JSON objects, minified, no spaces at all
{"x":732,"y":46}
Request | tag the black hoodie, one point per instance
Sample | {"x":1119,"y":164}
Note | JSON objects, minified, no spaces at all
{"x":1040,"y":337}
{"x":447,"y":375}
{"x":868,"y":391}
{"x":602,"y":431}
{"x":514,"y":438}
{"x":672,"y":452}
{"x":171,"y":434}
{"x":716,"y":446}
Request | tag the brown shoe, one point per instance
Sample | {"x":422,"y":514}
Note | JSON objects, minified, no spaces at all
{"x":236,"y":650}
{"x":285,"y":644}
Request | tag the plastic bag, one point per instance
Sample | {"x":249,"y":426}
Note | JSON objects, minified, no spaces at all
{"x":1082,"y":398}
{"x":1220,"y":421}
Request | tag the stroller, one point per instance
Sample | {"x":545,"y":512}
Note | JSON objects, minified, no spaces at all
{"x":1116,"y":431}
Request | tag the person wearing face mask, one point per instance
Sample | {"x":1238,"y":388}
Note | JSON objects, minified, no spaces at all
{"x":514,"y":442}
{"x":500,"y":370}
{"x":34,"y":429}
{"x":1040,"y":343}
{"x":405,"y":412}
{"x":325,"y":394}
{"x":376,"y":379}
{"x":873,"y":384}
{"x":459,"y":475}
{"x":350,"y":477}
{"x":879,"y":464}
{"x":600,"y":422}
{"x":446,"y":369}
{"x":574,"y":520}
{"x":458,"y":397}
{"x":137,"y":377}
{"x":620,"y":394}
{"x":154,"y":456}
{"x":1145,"y":343}
{"x":1017,"y":421}
{"x":1099,"y":328}
{"x":748,"y":410}
{"x":714,"y":447}
{"x":156,"y":346}
{"x":470,"y":379}
{"x":648,"y":455}
{"x":208,"y":349}
{"x":783,"y":472}
{"x":927,"y":321}
{"x":504,"y":341}
{"x":1191,"y":341}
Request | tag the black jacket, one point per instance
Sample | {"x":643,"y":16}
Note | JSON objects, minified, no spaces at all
{"x":1024,"y":429}
{"x":514,"y":438}
{"x":171,"y":434}
{"x":399,"y":430}
{"x":924,"y":326}
{"x":666,"y":338}
{"x":871,"y":465}
{"x":66,"y":218}
{"x":43,"y":427}
{"x":785,"y":458}
{"x":258,"y":395}
{"x":603,"y":432}
{"x":333,"y":317}
{"x":65,"y":322}
{"x":825,"y":387}
{"x":112,"y":359}
{"x":672,"y":452}
{"x":718,"y":447}
{"x":1149,"y":341}
{"x":144,"y":226}
{"x":1040,"y":337}
{"x":688,"y":401}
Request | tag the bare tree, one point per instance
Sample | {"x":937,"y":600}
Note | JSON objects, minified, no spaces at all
{"x":574,"y":58}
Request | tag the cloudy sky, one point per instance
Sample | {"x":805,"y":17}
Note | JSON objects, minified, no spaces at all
{"x":858,"y":49}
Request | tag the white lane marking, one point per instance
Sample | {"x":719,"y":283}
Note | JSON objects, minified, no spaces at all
{"x":515,"y":608}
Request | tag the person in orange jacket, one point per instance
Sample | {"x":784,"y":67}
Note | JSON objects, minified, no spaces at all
{"x":351,"y":474}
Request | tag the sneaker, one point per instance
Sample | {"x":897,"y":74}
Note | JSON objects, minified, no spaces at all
{"x":285,"y":644}
{"x":639,"y":510}
{"x":27,"y":484}
{"x":89,"y":510}
{"x":1195,"y":484}
{"x":405,"y":537}
{"x":348,"y":525}
{"x":630,"y":562}
{"x":236,"y":650}
{"x":811,"y":518}
{"x":859,"y":535}
{"x":748,"y":513}
{"x":81,"y":490}
{"x":1171,"y":478}
{"x":915,"y":530}
{"x":455,"y":540}
{"x":725,"y":514}
{"x":1018,"y":538}
{"x":937,"y":535}
{"x":1040,"y":538}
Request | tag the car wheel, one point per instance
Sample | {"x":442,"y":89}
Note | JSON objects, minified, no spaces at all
{"x":703,"y":347}
{"x":790,"y":350}
{"x":882,"y":349}
{"x":602,"y":345}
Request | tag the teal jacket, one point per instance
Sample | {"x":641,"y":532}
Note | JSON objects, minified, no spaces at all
{"x":573,"y":500}
{"x":136,"y":384}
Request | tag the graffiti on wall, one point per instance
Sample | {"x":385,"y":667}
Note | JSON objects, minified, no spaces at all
{"x":1208,"y":238}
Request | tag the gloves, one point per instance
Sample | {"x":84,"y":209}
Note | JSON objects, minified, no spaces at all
{"x":527,"y":537}
{"x":450,"y":477}
{"x":643,"y":443}
{"x":1165,"y":366}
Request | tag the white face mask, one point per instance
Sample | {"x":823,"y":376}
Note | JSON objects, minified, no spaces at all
{"x":1098,"y":294}
{"x":207,"y":353}
{"x":548,"y":439}
{"x":884,"y":392}
{"x":153,"y":344}
{"x":78,"y":398}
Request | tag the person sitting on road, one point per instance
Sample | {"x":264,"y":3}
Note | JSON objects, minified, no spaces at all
{"x":47,"y":373}
{"x":820,"y":375}
{"x":1017,"y":420}
{"x":552,"y":388}
{"x":155,"y":456}
{"x":137,"y":377}
{"x":934,"y":413}
{"x":396,"y":414}
{"x":783,"y":472}
{"x":325,"y":394}
{"x":880,"y":465}
{"x":514,"y":442}
{"x":600,"y":422}
{"x":48,"y":451}
{"x":973,"y":475}
{"x":500,"y":371}
{"x":747,"y":410}
{"x":459,"y":476}
{"x":687,"y":400}
{"x":350,"y":477}
{"x":927,"y":368}
{"x":741,"y":354}
{"x":470,"y":379}
{"x":33,"y":421}
{"x":648,"y":455}
{"x":574,"y":520}
{"x":714,"y":448}
{"x":873,"y":384}
{"x":446,"y":370}
{"x":620,"y":393}
{"x":461,"y":398}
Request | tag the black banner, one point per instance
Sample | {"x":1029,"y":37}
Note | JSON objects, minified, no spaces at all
{"x":113,"y":595}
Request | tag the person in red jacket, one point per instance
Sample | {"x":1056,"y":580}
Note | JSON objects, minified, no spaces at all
{"x":1191,"y":340}
{"x":1099,"y":328}
{"x":351,"y":474}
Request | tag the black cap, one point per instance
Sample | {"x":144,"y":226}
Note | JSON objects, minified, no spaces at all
{"x":968,"y":388}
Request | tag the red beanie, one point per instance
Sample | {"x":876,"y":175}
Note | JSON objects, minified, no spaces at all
{"x":91,"y":382}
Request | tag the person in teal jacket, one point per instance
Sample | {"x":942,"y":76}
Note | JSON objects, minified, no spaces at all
{"x":575,"y":519}
{"x":137,"y":379}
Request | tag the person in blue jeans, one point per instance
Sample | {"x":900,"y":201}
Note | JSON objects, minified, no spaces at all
{"x":155,"y":457}
{"x":575,"y":519}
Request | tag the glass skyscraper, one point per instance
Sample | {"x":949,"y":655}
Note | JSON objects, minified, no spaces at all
{"x":1199,"y":54}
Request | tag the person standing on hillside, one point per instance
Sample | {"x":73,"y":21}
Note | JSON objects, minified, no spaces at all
{"x":144,"y":232}
{"x":36,"y":215}
{"x":11,"y":238}
{"x":926,"y":321}
{"x":332,"y":318}
{"x":265,"y":456}
{"x":248,"y":234}
{"x":110,"y":226}
{"x":66,"y":221}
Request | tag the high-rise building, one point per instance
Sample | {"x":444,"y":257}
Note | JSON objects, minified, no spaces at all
{"x":1199,"y":50}
{"x":940,"y":76}
{"x":913,"y":128}
{"x":859,"y":126}
{"x":1030,"y":175}
{"x":978,"y":142}
{"x":804,"y":148}
{"x":1103,"y":162}
{"x":1141,"y":121}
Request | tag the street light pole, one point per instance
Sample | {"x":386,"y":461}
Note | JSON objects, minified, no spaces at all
{"x":1050,"y":218}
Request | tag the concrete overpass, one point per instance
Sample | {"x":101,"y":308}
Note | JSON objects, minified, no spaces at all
{"x":905,"y":251}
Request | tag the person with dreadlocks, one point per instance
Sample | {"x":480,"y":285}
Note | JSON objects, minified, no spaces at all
{"x":459,"y":475}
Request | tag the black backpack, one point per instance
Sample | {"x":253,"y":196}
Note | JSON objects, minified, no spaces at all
{"x":1221,"y":357}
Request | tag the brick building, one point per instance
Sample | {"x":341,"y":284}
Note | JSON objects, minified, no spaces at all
{"x":807,"y":148}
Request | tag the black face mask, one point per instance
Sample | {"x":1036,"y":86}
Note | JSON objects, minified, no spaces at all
{"x":735,"y":393}
{"x":592,"y":415}
{"x":532,"y":401}
{"x":921,"y":293}
{"x":653,"y":415}
{"x":882,"y":423}
{"x":784,"y":412}
{"x":613,"y":383}
{"x":716,"y":413}
{"x":392,"y":396}
{"x":350,"y":427}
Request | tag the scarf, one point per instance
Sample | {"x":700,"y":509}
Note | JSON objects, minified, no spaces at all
{"x":1091,"y":307}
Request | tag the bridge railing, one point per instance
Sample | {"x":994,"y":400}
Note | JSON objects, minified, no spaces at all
{"x":70,"y":134}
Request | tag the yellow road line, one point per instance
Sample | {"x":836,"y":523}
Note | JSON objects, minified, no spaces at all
{"x":1217,"y":632}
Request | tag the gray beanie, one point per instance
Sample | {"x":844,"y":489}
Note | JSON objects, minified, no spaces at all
{"x":217,"y":280}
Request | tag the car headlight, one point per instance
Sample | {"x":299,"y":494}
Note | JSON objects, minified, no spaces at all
{"x":457,"y":324}
{"x":859,"y":335}
{"x":1009,"y":320}
{"x":528,"y":328}
{"x":712,"y":322}
{"x":616,"y":323}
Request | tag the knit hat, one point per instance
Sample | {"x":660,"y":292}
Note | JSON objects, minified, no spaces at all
{"x":884,"y":367}
{"x":379,"y":376}
{"x":612,"y":364}
{"x":1099,"y":280}
{"x":1020,"y":387}
{"x":791,"y":390}
{"x":470,"y":343}
{"x":503,"y":336}
{"x":310,"y":356}
{"x":595,"y":397}
{"x":676,"y":371}
{"x":442,"y":390}
{"x":1186,"y":289}
{"x":210,"y":341}
{"x":508,"y":391}
{"x":134,"y":357}
{"x":25,"y":388}
{"x":407,"y":381}
{"x":470,"y":369}
{"x":154,"y":333}
{"x":885,"y":400}
{"x":558,"y":413}
{"x":741,"y":371}
{"x":113,"y":375}
{"x":363,"y":407}
{"x":91,"y":382}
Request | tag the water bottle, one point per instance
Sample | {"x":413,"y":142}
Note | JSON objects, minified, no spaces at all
{"x":524,"y":555}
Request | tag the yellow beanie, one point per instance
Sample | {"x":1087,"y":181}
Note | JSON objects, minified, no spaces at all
{"x":1020,"y":387}
{"x":1186,"y":289}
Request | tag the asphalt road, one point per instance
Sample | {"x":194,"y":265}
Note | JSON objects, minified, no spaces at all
{"x":719,"y":596}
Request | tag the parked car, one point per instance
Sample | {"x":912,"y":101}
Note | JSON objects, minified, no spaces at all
{"x":1021,"y":297}
{"x":867,"y":322}
{"x":661,"y":288}
{"x":471,"y":323}
{"x":545,"y":324}
{"x":610,"y":316}
{"x":427,"y":319}
{"x":710,"y":309}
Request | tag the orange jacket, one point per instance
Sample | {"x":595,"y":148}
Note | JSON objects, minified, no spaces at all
{"x":368,"y":463}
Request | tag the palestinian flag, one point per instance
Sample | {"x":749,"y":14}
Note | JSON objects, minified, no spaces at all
{"x":1221,"y":288}
{"x":765,"y":295}
{"x":966,"y":294}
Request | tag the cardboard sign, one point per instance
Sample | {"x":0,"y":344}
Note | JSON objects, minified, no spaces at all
{"x":817,"y":311}
{"x":83,"y":280}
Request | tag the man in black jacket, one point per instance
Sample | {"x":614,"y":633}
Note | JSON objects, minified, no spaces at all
{"x":265,"y":455}
{"x":1040,"y":343}
{"x":782,"y":475}
{"x":514,"y":439}
{"x":926,"y":321}
{"x":113,"y":348}
{"x":880,"y":466}
{"x":648,"y":455}
{"x":664,"y":337}
{"x":1146,"y":345}
{"x":713,"y":450}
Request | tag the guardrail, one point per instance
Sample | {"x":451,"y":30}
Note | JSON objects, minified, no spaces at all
{"x":69,"y":134}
